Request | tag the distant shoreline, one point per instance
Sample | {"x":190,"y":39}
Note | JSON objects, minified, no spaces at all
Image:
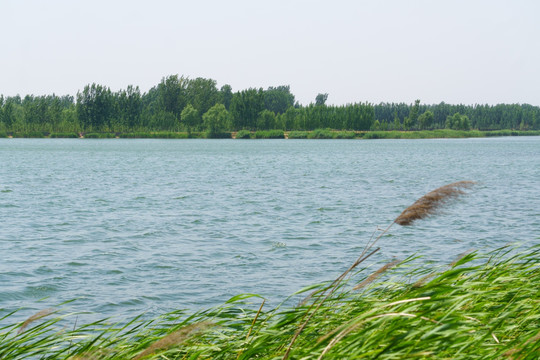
{"x":279,"y":134}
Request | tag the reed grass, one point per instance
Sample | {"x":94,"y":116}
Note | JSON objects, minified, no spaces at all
{"x":344,"y":135}
{"x":480,"y":306}
{"x":175,"y":338}
{"x":377,"y":274}
{"x":321,"y":134}
{"x":483,"y":307}
{"x":243,"y":134}
{"x":298,"y":135}
{"x":99,"y":136}
{"x":272,"y":134}
{"x":269,"y":134}
{"x":445,"y":134}
{"x":29,"y":134}
{"x":64,"y":135}
{"x":147,"y":135}
{"x":40,"y":314}
{"x":137,"y":135}
{"x":218,"y":135}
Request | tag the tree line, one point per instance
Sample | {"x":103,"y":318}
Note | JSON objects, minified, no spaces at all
{"x":418,"y":116}
{"x":178,"y":103}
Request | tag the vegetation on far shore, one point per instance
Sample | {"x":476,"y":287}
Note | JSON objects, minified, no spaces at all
{"x":278,"y":134}
{"x":181,"y":105}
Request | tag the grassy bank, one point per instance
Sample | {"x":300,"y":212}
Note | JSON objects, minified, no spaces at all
{"x":444,"y":133}
{"x":280,"y":134}
{"x":481,"y":306}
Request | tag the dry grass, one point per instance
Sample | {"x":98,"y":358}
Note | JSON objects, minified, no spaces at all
{"x":483,"y":307}
{"x":376,"y":274}
{"x":476,"y":307}
{"x":175,"y":338}
{"x":35,"y":317}
{"x":427,"y":205}
{"x":430,"y":203}
{"x":533,"y":340}
{"x":424,"y":279}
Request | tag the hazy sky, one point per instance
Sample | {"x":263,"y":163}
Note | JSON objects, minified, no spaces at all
{"x":471,"y":51}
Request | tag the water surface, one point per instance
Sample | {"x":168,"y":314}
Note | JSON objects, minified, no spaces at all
{"x":132,"y":226}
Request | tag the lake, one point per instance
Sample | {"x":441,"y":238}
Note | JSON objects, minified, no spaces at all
{"x":132,"y":226}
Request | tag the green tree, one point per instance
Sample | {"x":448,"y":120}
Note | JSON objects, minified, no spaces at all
{"x":68,"y":120}
{"x":172,"y":94}
{"x":407,"y":123}
{"x":320,"y":99}
{"x":464,"y":123}
{"x":397,"y":123}
{"x":95,"y":107}
{"x":163,"y":120}
{"x":245,"y":108}
{"x":289,"y":117}
{"x":35,"y":111}
{"x":278,"y":99}
{"x":226,"y":95}
{"x":190,"y":117}
{"x":412,"y":119}
{"x":458,"y":122}
{"x":12,"y":113}
{"x":216,"y":120}
{"x":202,"y":94}
{"x":425,"y":120}
{"x":129,"y":107}
{"x":2,"y":123}
{"x":266,"y":120}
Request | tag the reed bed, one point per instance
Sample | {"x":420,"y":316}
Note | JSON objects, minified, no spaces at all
{"x":269,"y":134}
{"x":480,"y":306}
{"x":243,"y":134}
{"x":485,"y":306}
{"x":63,"y":135}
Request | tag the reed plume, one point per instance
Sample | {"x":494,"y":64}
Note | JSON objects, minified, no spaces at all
{"x":430,"y":203}
{"x":175,"y":338}
{"x":35,"y":317}
{"x":426,"y":206}
{"x":376,"y":274}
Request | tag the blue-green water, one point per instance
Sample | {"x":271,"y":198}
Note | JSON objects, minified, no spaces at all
{"x":132,"y":226}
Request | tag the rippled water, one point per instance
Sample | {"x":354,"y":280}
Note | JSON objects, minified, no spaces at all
{"x":132,"y":226}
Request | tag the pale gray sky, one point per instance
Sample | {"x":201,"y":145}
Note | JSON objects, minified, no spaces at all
{"x":472,"y":51}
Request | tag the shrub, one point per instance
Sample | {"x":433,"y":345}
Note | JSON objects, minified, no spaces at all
{"x":155,"y":135}
{"x":344,"y":135}
{"x":298,"y":135}
{"x":321,"y":134}
{"x":173,"y":135}
{"x":136,"y":135}
{"x":65,"y":135}
{"x":243,"y":134}
{"x":382,"y":135}
{"x":269,"y":134}
{"x":29,"y":134}
{"x":218,"y":135}
{"x":99,"y":136}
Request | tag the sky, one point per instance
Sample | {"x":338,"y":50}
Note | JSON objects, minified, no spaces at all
{"x":468,"y":52}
